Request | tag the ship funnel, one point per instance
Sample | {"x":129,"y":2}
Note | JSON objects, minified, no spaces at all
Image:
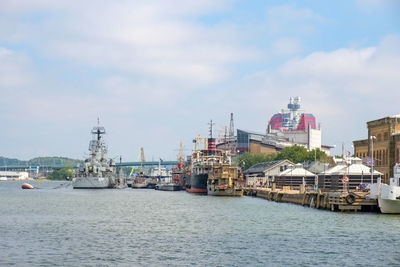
{"x":211,"y":146}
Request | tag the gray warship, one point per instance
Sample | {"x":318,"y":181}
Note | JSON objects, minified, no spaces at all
{"x":97,"y":172}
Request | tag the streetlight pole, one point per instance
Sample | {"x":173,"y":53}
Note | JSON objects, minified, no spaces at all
{"x":372,"y":159}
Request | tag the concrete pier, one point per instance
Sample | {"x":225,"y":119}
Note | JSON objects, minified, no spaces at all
{"x":334,"y":201}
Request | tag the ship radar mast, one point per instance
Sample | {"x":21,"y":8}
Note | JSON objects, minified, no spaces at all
{"x":211,"y":128}
{"x":98,"y":130}
{"x":97,"y":146}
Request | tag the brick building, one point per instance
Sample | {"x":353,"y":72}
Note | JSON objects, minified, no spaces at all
{"x":386,"y":146}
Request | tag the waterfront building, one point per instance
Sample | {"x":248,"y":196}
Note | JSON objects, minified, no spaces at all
{"x":264,"y":173}
{"x":256,"y":143}
{"x":316,"y":166}
{"x":349,"y":173}
{"x":286,"y":128}
{"x":295,"y":176}
{"x":386,"y":145}
{"x":292,"y":119}
{"x":4,"y":175}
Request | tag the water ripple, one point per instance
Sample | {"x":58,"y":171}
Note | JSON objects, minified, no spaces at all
{"x":53,"y":227}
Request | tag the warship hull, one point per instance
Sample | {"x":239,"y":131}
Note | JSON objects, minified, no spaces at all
{"x":91,"y":183}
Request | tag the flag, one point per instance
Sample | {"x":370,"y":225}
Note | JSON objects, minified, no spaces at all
{"x":368,"y":161}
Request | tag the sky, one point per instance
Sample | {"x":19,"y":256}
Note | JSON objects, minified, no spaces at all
{"x":156,"y":71}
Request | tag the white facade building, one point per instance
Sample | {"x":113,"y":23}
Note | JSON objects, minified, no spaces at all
{"x":5,"y":175}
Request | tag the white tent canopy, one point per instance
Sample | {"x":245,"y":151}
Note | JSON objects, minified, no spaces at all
{"x":354,"y":167}
{"x":297,"y":171}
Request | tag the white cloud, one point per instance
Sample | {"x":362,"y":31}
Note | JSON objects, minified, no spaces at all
{"x":344,"y":88}
{"x":148,"y":57}
{"x":141,"y":37}
{"x":13,"y":70}
{"x":288,"y":18}
{"x":289,"y":12}
{"x":155,"y":73}
{"x":287,"y":46}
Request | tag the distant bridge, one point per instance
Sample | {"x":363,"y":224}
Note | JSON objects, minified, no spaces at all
{"x":58,"y":166}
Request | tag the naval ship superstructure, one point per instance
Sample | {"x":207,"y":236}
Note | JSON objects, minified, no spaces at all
{"x":98,"y":171}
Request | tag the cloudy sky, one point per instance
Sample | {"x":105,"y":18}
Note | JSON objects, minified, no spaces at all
{"x":156,"y":71}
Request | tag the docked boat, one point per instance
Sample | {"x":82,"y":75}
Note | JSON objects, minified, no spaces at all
{"x":139,"y":182}
{"x":389,"y":200}
{"x":98,"y":172}
{"x":172,"y":186}
{"x":151,"y":182}
{"x":158,"y":175}
{"x":202,"y":163}
{"x":388,"y":195}
{"x":223,"y":180}
{"x":129,"y":181}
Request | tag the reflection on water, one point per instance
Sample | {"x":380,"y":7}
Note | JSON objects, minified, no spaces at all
{"x":130,"y":227}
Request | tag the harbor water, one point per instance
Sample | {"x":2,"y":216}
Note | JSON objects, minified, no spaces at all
{"x":57,"y":225}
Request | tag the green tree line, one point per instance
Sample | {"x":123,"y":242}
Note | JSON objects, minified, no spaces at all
{"x":296,"y":154}
{"x":62,"y":174}
{"x":38,"y":161}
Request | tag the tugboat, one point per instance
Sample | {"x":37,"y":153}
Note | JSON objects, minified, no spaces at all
{"x":223,"y":179}
{"x":98,"y":172}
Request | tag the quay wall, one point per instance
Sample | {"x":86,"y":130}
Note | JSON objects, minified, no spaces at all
{"x":333,"y":201}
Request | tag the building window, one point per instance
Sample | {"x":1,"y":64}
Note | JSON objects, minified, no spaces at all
{"x":398,"y":156}
{"x":384,"y":157}
{"x":386,"y":136}
{"x":387,"y":156}
{"x":378,"y":137}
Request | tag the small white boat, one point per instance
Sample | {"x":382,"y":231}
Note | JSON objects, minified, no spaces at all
{"x":388,"y":195}
{"x":139,"y":185}
{"x":389,"y":199}
{"x":139,"y":182}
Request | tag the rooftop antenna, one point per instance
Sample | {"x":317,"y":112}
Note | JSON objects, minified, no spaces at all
{"x":231,"y":127}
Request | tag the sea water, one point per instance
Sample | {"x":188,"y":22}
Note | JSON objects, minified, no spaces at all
{"x":59,"y":226}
